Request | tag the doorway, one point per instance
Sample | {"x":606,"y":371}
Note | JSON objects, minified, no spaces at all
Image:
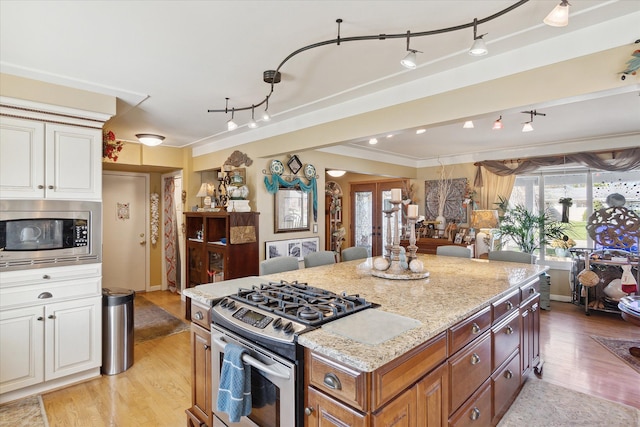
{"x":370,"y":225}
{"x":125,"y":249}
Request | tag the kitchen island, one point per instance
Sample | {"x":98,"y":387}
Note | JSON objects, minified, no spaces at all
{"x":437,"y":351}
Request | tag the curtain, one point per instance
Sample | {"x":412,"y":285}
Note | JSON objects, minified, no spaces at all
{"x":622,"y":160}
{"x":170,"y":235}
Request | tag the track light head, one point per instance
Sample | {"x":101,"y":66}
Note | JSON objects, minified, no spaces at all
{"x":559,"y":16}
{"x":253,"y":124}
{"x":497,"y":125}
{"x":409,"y":61}
{"x":478,"y":48}
{"x":231,"y":125}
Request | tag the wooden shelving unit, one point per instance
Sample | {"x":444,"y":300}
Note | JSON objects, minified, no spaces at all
{"x":220,"y":246}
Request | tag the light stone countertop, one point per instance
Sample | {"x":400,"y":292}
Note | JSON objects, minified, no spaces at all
{"x":455,"y":289}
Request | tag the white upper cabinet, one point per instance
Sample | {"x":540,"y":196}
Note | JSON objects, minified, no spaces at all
{"x":42,"y":160}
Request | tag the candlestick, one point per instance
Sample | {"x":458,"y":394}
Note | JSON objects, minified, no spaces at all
{"x":412,"y":248}
{"x":387,"y":247}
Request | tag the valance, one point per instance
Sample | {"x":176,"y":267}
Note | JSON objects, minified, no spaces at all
{"x":277,"y":182}
{"x":624,"y":160}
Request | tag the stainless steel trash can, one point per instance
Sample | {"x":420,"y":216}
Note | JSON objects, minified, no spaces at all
{"x":117,"y":330}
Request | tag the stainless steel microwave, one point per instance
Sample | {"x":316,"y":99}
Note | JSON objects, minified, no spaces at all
{"x":49,"y":233}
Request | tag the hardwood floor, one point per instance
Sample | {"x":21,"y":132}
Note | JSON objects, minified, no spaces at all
{"x":155,"y":391}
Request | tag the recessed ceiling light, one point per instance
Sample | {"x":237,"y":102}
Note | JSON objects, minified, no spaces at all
{"x":373,"y":141}
{"x":419,"y":131}
{"x":390,"y":135}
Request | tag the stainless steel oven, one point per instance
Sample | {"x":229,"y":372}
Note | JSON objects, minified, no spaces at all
{"x":49,"y":233}
{"x":273,"y":383}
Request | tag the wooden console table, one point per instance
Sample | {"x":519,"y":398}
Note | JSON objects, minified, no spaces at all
{"x":428,"y":245}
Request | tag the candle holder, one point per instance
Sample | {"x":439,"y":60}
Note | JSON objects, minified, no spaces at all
{"x":398,"y":269}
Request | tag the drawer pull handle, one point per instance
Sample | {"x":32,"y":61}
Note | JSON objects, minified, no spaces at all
{"x":198,"y":315}
{"x":308,"y":411}
{"x":508,"y":330}
{"x":475,"y":414}
{"x":508,"y":374}
{"x":45,"y":295}
{"x":206,"y":346}
{"x":509,"y":305}
{"x":475,"y":328}
{"x":51,"y":316}
{"x":475,"y":359}
{"x":333,"y":382}
{"x":531,"y":291}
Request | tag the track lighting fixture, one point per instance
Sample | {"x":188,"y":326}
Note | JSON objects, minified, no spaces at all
{"x":528,"y":126}
{"x":273,"y":77}
{"x":253,"y":124}
{"x":497,"y":125}
{"x":468,"y":124}
{"x":409,"y":61}
{"x":559,"y":16}
{"x":478,"y":48}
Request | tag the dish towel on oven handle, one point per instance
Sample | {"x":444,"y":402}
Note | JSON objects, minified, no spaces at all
{"x":234,"y":391}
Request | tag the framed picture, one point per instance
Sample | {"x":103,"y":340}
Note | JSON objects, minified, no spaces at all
{"x":453,"y":202}
{"x":298,"y":248}
{"x":294,"y":164}
{"x":458,"y":238}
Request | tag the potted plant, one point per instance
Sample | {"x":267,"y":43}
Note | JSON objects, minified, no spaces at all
{"x":528,"y":230}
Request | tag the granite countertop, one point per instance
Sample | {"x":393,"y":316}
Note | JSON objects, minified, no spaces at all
{"x":411,"y":311}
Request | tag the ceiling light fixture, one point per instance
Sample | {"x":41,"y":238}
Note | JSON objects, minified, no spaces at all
{"x":468,"y":124}
{"x":253,"y":124}
{"x":528,"y":126}
{"x":559,"y":16}
{"x":373,"y":141}
{"x":150,"y":139}
{"x":420,"y":131}
{"x":478,"y":48}
{"x":409,"y":61}
{"x":272,"y":77}
{"x":497,"y":125}
{"x":231,"y":125}
{"x":266,"y":117}
{"x":336,"y":173}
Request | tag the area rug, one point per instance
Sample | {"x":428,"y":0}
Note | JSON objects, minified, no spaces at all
{"x":544,"y":404}
{"x":621,"y":349}
{"x":27,"y":412}
{"x":151,"y":322}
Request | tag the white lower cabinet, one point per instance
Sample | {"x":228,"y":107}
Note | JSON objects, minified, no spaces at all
{"x":50,"y":333}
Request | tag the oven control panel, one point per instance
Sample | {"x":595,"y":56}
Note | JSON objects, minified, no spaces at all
{"x":255,"y":320}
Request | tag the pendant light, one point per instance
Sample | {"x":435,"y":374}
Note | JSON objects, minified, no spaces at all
{"x":497,"y":125}
{"x":468,"y":124}
{"x":231,"y":125}
{"x":253,"y":124}
{"x":409,"y":61}
{"x":265,"y":116}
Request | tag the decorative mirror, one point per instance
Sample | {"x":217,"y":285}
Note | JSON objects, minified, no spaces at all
{"x":292,"y":210}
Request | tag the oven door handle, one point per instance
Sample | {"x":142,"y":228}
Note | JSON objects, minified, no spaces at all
{"x":256,"y":363}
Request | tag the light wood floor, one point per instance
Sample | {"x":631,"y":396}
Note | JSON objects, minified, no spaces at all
{"x":155,"y":391}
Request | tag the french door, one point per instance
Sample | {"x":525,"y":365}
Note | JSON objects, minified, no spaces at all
{"x":370,"y":226}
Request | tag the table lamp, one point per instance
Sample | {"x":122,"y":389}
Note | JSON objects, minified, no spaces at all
{"x":483,"y":221}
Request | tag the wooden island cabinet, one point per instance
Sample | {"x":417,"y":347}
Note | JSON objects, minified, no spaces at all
{"x":466,"y":376}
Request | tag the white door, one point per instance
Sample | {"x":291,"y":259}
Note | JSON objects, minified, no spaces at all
{"x":125,"y":242}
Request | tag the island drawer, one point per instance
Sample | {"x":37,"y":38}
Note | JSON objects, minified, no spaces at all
{"x":477,"y":411}
{"x":342,"y":382}
{"x":506,"y":338}
{"x":464,"y":332}
{"x":505,"y":384}
{"x":201,"y":314}
{"x":468,"y":370}
{"x":529,"y":290}
{"x":505,"y":305}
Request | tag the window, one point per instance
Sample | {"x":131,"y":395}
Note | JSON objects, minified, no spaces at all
{"x":588,"y":191}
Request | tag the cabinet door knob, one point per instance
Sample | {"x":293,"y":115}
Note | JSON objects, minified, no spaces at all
{"x":198,"y":315}
{"x":50,"y":187}
{"x":46,"y":277}
{"x":333,"y":382}
{"x":509,"y":305}
{"x":508,"y":374}
{"x":51,"y":316}
{"x":207,"y":346}
{"x":308,"y":411}
{"x":475,"y":359}
{"x":508,"y":330}
{"x":531,"y":291}
{"x":45,"y":295}
{"x":40,"y":187}
{"x":475,"y":328}
{"x":40,"y":318}
{"x":475,"y":414}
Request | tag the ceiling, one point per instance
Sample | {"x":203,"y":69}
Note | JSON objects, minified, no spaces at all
{"x":168,"y":62}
